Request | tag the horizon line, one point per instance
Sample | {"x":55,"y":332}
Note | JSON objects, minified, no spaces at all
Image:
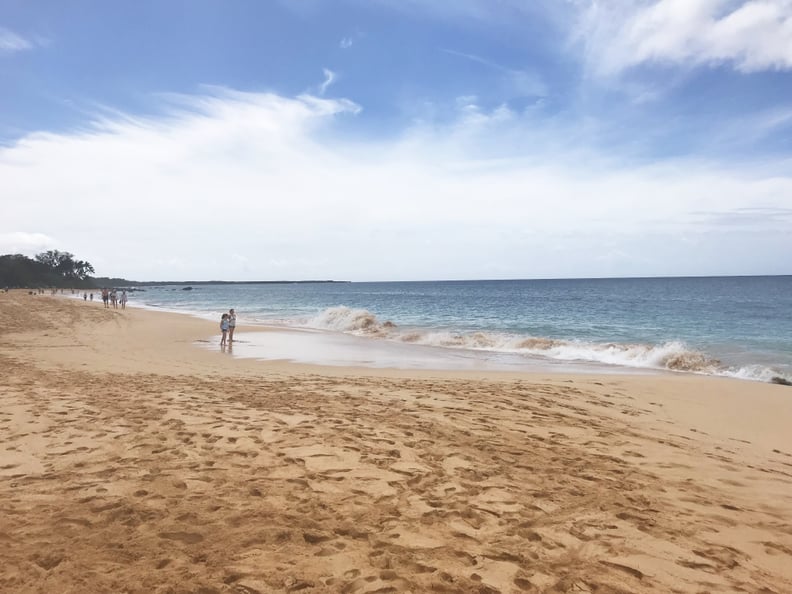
{"x":448,"y":280}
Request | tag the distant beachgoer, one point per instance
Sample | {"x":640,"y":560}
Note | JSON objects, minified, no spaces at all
{"x":231,"y":324}
{"x":123,"y":299}
{"x":105,"y":297}
{"x":114,"y":298}
{"x":85,"y":296}
{"x":224,"y":328}
{"x":91,"y":296}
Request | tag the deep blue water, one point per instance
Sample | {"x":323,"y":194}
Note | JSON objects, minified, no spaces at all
{"x":739,"y":326}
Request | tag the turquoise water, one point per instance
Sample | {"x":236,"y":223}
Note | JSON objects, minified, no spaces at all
{"x":737,"y":326}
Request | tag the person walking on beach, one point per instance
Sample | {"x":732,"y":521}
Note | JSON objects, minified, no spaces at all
{"x":224,"y":329}
{"x":123,"y":299}
{"x":231,"y":325}
{"x":105,"y":297}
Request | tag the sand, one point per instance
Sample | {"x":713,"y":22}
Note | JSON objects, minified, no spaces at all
{"x":132,"y":460}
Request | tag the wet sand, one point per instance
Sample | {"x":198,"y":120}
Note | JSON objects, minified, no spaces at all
{"x":133,"y":461}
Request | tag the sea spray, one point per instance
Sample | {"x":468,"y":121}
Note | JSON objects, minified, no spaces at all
{"x":349,"y":320}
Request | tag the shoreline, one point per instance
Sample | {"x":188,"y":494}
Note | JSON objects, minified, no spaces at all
{"x":446,"y":358}
{"x":132,"y":460}
{"x":175,"y":328}
{"x":526,"y":365}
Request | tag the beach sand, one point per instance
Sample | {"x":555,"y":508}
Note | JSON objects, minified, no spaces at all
{"x":133,"y":461}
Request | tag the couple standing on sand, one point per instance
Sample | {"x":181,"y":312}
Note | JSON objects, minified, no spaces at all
{"x":227,"y":325}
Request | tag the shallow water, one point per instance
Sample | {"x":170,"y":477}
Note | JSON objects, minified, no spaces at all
{"x":734,"y":326}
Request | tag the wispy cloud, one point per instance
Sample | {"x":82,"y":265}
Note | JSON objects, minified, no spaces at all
{"x":330,"y":78}
{"x":246,"y":185}
{"x":749,"y":35}
{"x":616,"y":35}
{"x":346,"y":42}
{"x":741,"y":132}
{"x":521,"y":82}
{"x":11,"y":42}
{"x":502,"y":12}
{"x":758,"y":218}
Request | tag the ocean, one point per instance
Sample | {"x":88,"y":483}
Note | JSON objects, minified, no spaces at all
{"x":732,"y":326}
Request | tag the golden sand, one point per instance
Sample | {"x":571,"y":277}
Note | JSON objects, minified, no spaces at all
{"x":133,"y":461}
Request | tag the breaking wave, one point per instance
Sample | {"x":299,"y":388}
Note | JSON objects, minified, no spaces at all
{"x":672,"y":355}
{"x":353,"y":321}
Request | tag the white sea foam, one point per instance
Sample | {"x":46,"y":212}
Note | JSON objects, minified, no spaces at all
{"x":672,"y":355}
{"x":753,"y":372}
{"x":352,"y":321}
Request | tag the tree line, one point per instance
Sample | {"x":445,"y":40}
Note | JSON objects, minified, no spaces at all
{"x":52,"y":268}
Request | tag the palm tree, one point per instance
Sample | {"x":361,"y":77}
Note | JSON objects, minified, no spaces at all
{"x":83,"y":269}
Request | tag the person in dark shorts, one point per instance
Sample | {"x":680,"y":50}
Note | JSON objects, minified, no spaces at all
{"x":224,"y":329}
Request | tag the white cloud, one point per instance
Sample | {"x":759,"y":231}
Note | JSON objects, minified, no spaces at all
{"x":750,"y":35}
{"x":11,"y":42}
{"x":258,"y":186}
{"x":27,"y":244}
{"x":346,"y":43}
{"x":330,"y":78}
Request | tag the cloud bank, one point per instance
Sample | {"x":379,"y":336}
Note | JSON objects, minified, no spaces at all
{"x":19,"y":242}
{"x":239,"y":186}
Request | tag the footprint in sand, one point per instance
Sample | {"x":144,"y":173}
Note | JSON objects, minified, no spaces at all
{"x":185,"y":537}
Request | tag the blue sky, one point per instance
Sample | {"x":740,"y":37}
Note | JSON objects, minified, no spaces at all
{"x":385,"y":139}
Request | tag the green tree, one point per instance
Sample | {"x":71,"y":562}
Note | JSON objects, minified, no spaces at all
{"x":64,"y":264}
{"x":54,"y":259}
{"x":18,"y":271}
{"x":49,"y":269}
{"x":83,"y":269}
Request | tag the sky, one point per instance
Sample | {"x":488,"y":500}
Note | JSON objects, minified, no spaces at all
{"x":398,"y":139}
